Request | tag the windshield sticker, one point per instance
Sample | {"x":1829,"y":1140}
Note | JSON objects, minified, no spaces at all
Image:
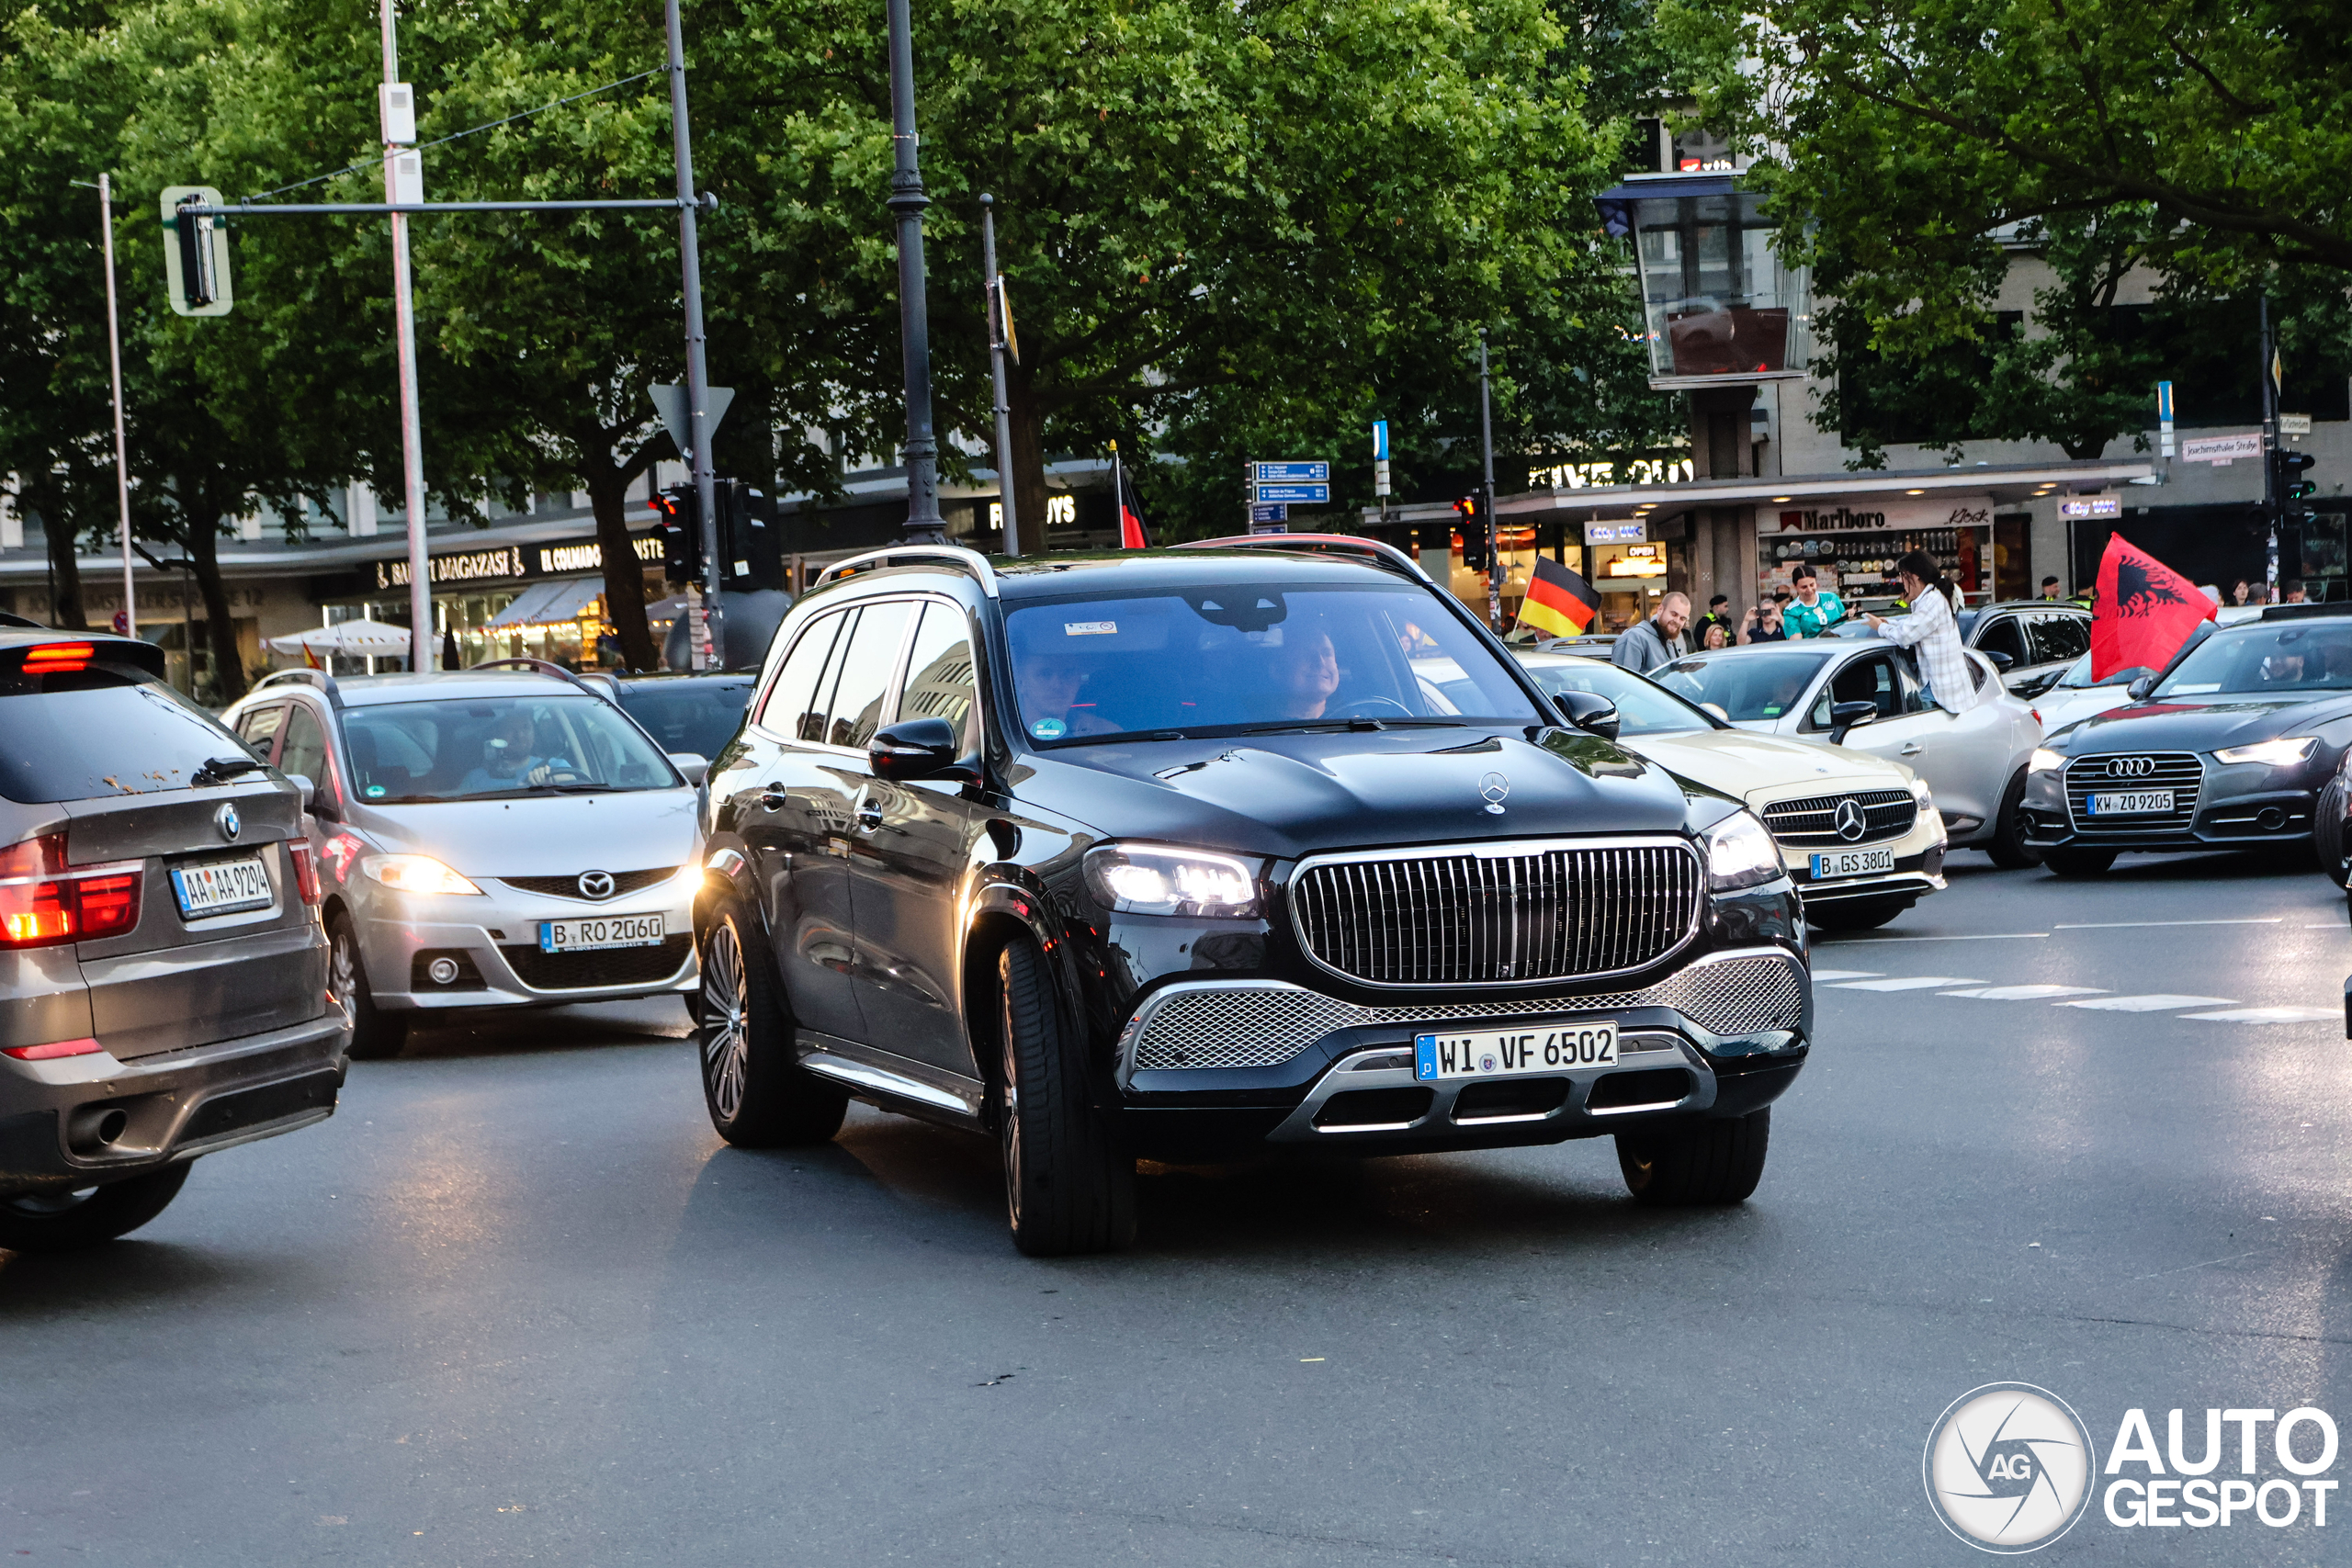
{"x":375,"y":792}
{"x":1049,"y":729}
{"x":1090,"y":628}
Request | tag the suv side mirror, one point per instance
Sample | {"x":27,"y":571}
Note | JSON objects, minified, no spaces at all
{"x":1590,"y":712}
{"x":915,"y":749}
{"x":2001,"y":661}
{"x":2138,"y":690}
{"x":1844,"y":716}
{"x":694,"y":765}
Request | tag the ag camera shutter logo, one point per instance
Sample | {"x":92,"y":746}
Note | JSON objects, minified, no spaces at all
{"x":2008,"y":1468}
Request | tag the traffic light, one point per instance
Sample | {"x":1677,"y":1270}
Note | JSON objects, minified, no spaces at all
{"x":195,"y":253}
{"x":2293,"y":486}
{"x":1474,"y":534}
{"x":681,"y":529}
{"x":748,"y":545}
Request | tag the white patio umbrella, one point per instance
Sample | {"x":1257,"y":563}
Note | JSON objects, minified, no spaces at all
{"x":354,"y":640}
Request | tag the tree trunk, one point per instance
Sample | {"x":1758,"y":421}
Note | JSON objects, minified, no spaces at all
{"x":624,"y":577}
{"x":64,"y":573}
{"x":1028,"y":420}
{"x":203,"y":550}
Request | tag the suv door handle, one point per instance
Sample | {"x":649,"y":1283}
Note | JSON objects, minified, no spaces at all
{"x":1909,"y":749}
{"x":869,"y":815}
{"x":773,"y":800}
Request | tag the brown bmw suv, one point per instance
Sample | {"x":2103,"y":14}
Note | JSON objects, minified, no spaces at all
{"x":162,"y":971}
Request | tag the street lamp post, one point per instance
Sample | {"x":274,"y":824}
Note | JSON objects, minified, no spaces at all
{"x":993,"y":299}
{"x":924,"y":525}
{"x":1486,"y":494}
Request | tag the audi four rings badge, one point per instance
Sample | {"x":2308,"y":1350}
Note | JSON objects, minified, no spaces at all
{"x":2130,"y":767}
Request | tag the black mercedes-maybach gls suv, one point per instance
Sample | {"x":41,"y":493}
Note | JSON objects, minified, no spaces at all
{"x":1185,"y":855}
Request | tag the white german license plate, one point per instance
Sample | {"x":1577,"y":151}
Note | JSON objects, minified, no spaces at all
{"x":1514,"y":1053}
{"x":223,"y":887}
{"x":604,"y":931}
{"x":1851,"y":862}
{"x":2130,"y":803}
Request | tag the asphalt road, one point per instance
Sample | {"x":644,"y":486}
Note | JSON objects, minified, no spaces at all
{"x":516,"y":1304}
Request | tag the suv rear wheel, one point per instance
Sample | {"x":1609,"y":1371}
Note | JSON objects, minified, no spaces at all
{"x":759,"y":1095}
{"x":375,"y":1034}
{"x":1070,"y":1185}
{"x":2008,"y":847}
{"x":41,"y":1223}
{"x":1706,"y":1162}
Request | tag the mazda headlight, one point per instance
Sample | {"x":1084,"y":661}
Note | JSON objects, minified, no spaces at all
{"x":1740,"y":853}
{"x":1135,"y":879}
{"x":2279,"y":753}
{"x":2044,"y":761}
{"x":415,"y":873}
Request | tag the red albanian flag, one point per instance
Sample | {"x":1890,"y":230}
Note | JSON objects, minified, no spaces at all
{"x":2146,"y":611}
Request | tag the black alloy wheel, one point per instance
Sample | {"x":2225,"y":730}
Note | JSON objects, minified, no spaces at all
{"x":1070,"y":1184}
{"x":375,"y":1034}
{"x":64,"y":1222}
{"x":2007,"y":846}
{"x":759,"y":1095}
{"x":2330,"y":840}
{"x":2077,"y":862}
{"x":1699,"y":1163}
{"x":1855,"y":914}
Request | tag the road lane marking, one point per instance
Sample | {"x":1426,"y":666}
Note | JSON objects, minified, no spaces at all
{"x":2134,"y":925}
{"x":2268,"y":1015}
{"x":2159,"y":1003}
{"x":1911,"y":983}
{"x":1973,"y":936}
{"x":1823,"y":976}
{"x":2028,"y":993}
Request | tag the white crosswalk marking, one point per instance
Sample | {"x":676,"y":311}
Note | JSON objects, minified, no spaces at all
{"x":2160,"y":1003}
{"x":2028,"y":993}
{"x":2267,"y":1015}
{"x":1907,"y":983}
{"x":1823,"y":976}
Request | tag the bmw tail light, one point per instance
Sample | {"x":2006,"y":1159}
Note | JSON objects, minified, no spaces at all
{"x":44,"y":901}
{"x":306,"y":869}
{"x":54,"y":1049}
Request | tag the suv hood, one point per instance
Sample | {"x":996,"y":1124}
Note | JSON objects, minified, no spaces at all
{"x":2202,"y":725}
{"x":1289,"y":795}
{"x":627,"y":830}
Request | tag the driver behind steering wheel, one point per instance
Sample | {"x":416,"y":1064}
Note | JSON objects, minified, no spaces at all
{"x":509,"y":758}
{"x":1304,"y":672}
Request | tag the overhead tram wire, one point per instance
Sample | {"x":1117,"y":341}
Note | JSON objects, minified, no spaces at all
{"x":378,"y":161}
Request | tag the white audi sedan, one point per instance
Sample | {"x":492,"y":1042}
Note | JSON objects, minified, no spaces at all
{"x":1867,"y":696}
{"x":491,"y":837}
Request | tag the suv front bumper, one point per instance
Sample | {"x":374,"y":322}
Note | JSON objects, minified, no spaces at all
{"x":178,"y":1104}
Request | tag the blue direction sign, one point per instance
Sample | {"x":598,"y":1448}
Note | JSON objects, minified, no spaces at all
{"x":1289,"y":473}
{"x":1269,"y":514}
{"x":1293,"y":494}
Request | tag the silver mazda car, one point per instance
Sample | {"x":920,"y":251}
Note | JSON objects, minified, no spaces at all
{"x":492,"y":837}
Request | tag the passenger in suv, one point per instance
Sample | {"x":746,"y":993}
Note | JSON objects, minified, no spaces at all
{"x":1142,"y":904}
{"x":163,"y":976}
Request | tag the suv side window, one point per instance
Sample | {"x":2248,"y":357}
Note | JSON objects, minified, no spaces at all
{"x":2058,"y":637}
{"x":787,"y":709}
{"x":257,"y":727}
{"x":867,"y":667}
{"x":304,"y":749}
{"x":2002,"y":637}
{"x":940,"y":682}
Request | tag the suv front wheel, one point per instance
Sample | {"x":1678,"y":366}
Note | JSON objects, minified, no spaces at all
{"x":759,"y":1095}
{"x":1070,"y":1186}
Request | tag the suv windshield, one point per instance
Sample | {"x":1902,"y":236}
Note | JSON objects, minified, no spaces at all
{"x":1760,"y":685}
{"x":1643,"y":707}
{"x":2266,"y":661}
{"x":1231,"y":660}
{"x":95,"y":733}
{"x":480,"y":748}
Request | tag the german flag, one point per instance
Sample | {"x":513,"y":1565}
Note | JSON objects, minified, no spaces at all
{"x":1558,"y":602}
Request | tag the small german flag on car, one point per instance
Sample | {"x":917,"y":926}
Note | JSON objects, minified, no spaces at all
{"x":1558,"y":601}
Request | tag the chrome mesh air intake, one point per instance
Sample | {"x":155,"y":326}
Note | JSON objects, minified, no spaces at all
{"x":1508,"y":913}
{"x":1248,"y":1024}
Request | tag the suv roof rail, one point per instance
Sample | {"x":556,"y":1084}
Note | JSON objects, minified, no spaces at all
{"x":304,"y":677}
{"x":951,"y":554}
{"x":537,"y":665}
{"x":1373,"y":550}
{"x":2301,"y":612}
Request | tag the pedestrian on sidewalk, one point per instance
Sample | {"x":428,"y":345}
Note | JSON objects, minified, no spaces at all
{"x":1933,"y":635}
{"x":1652,"y":644}
{"x":1815,"y":611}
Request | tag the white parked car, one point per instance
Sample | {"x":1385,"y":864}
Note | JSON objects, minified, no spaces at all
{"x":1860,"y":834}
{"x":2076,"y":696}
{"x":1867,"y":696}
{"x":493,"y":838}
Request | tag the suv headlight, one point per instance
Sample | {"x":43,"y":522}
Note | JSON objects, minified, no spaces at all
{"x":415,"y":873}
{"x":2277,"y":754}
{"x":1740,"y":853}
{"x":2044,"y":760}
{"x":1135,"y":879}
